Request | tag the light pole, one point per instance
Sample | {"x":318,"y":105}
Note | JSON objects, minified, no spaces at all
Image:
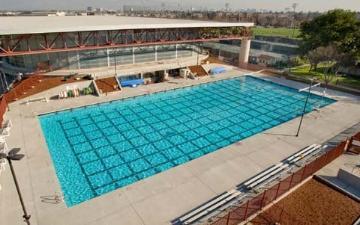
{"x":115,"y":52}
{"x":294,"y":6}
{"x":12,"y":155}
{"x":197,"y":56}
{"x":304,"y":109}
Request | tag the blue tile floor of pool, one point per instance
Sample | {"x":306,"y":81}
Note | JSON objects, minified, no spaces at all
{"x":99,"y":148}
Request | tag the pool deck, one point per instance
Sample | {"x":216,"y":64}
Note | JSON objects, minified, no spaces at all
{"x":161,"y":198}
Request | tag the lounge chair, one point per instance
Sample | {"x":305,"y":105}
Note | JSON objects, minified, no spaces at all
{"x":63,"y":94}
{"x":3,"y":147}
{"x":5,"y":130}
{"x":4,"y":133}
{"x":7,"y":124}
{"x":2,"y":166}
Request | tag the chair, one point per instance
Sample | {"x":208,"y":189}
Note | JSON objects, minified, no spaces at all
{"x":7,"y":124}
{"x":3,"y":147}
{"x":5,"y":131}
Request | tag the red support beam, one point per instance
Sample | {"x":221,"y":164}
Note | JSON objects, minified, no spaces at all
{"x":52,"y":43}
{"x":21,"y":38}
{"x":90,"y":34}
{"x":3,"y":50}
{"x":79,"y":40}
{"x":46,"y":41}
{"x":63,"y":40}
{"x":104,"y":46}
{"x":115,"y":37}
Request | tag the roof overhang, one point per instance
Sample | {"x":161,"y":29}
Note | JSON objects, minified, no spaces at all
{"x":55,"y":24}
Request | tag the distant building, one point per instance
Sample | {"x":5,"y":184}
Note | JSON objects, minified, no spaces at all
{"x":134,"y":8}
{"x":57,"y":14}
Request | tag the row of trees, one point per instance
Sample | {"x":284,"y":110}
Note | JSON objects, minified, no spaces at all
{"x":265,"y":19}
{"x":332,"y":39}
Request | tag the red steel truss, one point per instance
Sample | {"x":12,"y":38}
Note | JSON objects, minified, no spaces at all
{"x":27,"y":44}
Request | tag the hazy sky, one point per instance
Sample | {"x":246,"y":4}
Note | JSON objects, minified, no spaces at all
{"x":278,"y":5}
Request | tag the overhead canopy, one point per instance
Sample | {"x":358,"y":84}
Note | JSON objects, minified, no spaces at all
{"x":54,"y":24}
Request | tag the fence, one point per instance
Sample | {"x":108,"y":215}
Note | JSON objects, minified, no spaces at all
{"x":3,"y":108}
{"x":242,"y":212}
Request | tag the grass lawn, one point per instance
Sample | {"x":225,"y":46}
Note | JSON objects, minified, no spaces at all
{"x":281,"y":32}
{"x":347,"y":81}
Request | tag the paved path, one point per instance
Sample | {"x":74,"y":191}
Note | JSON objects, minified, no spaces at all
{"x":348,"y":162}
{"x":163,"y":197}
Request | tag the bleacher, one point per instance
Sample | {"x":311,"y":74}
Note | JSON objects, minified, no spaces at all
{"x":244,"y":189}
{"x":208,"y":207}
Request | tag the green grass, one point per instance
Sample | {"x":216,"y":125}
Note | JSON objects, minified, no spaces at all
{"x":346,"y":81}
{"x":280,"y":32}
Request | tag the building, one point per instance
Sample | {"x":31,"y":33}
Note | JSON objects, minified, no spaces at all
{"x":269,"y":51}
{"x":60,"y":45}
{"x":134,"y":8}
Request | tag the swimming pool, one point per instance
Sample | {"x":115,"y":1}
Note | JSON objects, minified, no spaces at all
{"x":99,"y":148}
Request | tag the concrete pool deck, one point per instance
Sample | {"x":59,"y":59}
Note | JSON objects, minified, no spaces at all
{"x":160,"y":198}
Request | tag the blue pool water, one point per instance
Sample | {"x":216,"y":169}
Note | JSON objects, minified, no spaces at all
{"x":99,"y":148}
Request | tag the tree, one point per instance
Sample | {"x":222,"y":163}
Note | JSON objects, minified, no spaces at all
{"x":356,"y":48}
{"x":296,"y":61}
{"x":315,"y":57}
{"x":329,"y":57}
{"x":343,"y":60}
{"x":337,"y":27}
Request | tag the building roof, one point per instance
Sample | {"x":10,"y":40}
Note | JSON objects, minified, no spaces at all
{"x":54,"y":24}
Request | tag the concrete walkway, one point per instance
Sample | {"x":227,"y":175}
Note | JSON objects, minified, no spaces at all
{"x":128,"y":69}
{"x":348,"y":162}
{"x":162,"y":197}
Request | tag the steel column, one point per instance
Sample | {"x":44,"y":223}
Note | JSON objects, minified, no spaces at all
{"x":133,"y":54}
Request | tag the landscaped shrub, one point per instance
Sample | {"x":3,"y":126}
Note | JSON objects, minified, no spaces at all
{"x":70,"y":93}
{"x":87,"y":91}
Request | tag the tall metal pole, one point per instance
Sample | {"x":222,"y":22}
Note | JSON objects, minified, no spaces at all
{"x":115,"y":63}
{"x":197,"y":56}
{"x":25,"y":216}
{"x":304,"y":110}
{"x":294,"y":6}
